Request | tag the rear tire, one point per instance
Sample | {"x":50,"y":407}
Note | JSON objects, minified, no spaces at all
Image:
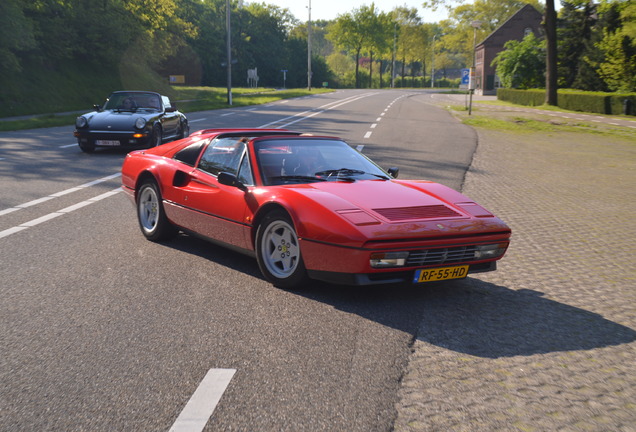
{"x":153,"y":222}
{"x":278,"y":251}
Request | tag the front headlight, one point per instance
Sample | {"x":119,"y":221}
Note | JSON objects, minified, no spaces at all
{"x":388,"y":259}
{"x":140,"y":123}
{"x":490,"y":251}
{"x":81,"y":122}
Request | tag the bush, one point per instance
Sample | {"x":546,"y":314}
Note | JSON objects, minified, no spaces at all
{"x":575,"y":100}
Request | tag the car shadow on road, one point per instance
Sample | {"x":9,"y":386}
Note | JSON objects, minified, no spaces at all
{"x":469,"y":316}
{"x":479,"y":318}
{"x":492,"y":321}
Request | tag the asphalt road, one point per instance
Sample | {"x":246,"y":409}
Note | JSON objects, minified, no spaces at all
{"x":103,"y":330}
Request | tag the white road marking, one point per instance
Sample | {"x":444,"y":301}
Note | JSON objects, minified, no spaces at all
{"x":197,"y":120}
{"x":69,"y":145}
{"x":373,"y":125}
{"x":53,"y":215}
{"x":321,"y":109}
{"x":58,"y":194}
{"x":368,"y":134}
{"x":204,"y":400}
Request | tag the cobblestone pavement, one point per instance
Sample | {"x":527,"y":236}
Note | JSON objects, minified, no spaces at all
{"x":548,"y":341}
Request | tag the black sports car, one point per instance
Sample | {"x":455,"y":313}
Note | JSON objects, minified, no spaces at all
{"x":131,"y":119}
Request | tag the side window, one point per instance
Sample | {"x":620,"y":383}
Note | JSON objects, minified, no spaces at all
{"x":189,"y":154}
{"x":166,"y":102}
{"x":222,"y":155}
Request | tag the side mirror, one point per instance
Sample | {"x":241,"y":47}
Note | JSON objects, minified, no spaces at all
{"x":394,"y":171}
{"x":97,"y":107}
{"x":228,"y":179}
{"x":171,"y":109}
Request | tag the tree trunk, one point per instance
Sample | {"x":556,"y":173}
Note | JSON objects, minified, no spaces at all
{"x":381,"y":65}
{"x":357,"y":68}
{"x":371,"y":70}
{"x":551,"y":53}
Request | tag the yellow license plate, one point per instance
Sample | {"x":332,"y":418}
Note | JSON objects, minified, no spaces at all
{"x":439,"y":274}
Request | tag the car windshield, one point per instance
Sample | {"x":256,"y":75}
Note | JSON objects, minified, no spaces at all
{"x":133,"y":101}
{"x":308,"y":160}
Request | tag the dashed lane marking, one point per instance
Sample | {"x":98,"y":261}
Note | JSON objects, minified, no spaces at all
{"x":61,"y":212}
{"x":203,"y":402}
{"x":58,"y":194}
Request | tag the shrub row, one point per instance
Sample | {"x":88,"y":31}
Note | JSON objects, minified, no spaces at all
{"x":575,"y":100}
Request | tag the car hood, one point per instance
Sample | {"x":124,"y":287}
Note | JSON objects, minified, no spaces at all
{"x":114,"y":120}
{"x":398,"y":209}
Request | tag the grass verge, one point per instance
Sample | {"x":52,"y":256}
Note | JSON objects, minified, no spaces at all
{"x":533,"y":122}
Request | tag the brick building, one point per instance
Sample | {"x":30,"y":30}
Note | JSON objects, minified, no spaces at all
{"x":527,"y":19}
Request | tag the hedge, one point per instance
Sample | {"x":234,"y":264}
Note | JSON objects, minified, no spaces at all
{"x":575,"y":100}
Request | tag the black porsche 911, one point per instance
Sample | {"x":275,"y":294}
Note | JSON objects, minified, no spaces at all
{"x":131,"y":119}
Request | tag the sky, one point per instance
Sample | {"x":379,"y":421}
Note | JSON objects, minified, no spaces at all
{"x":330,"y":9}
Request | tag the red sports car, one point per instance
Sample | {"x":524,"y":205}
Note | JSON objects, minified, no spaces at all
{"x":310,"y":207}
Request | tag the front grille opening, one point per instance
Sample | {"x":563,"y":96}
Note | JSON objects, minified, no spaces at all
{"x":441,"y":255}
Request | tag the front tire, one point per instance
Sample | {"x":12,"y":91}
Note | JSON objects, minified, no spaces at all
{"x":153,"y":222}
{"x":184,"y":130}
{"x":278,"y":251}
{"x":87,"y":147}
{"x":157,"y":136}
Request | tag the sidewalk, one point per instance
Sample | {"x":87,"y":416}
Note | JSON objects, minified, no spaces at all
{"x":547,"y":342}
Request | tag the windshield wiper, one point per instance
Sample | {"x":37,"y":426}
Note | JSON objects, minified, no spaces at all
{"x":346,"y":172}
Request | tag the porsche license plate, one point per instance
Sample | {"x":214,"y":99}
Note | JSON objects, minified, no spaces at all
{"x":110,"y":143}
{"x":439,"y":274}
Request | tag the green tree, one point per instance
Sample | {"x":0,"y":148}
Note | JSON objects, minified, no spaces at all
{"x":522,"y":63}
{"x":577,"y":35}
{"x":409,"y":44}
{"x":17,"y":35}
{"x":618,"y":45}
{"x":348,"y":34}
{"x":263,"y":31}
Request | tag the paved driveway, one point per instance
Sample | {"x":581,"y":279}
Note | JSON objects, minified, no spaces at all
{"x":546,"y":343}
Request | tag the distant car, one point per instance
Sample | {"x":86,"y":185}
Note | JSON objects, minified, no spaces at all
{"x":310,"y":207}
{"x":131,"y":119}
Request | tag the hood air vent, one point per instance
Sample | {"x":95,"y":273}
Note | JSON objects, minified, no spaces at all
{"x":420,"y":212}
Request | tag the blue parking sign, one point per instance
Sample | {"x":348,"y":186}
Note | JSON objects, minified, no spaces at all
{"x":465,"y":76}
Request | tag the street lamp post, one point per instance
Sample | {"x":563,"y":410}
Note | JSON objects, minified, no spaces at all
{"x":229,"y":52}
{"x":309,"y":49}
{"x":393,"y":55}
{"x":473,"y":74}
{"x":433,"y":62}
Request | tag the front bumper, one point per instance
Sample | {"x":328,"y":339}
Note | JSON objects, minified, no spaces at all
{"x":129,"y":139}
{"x":392,"y":277}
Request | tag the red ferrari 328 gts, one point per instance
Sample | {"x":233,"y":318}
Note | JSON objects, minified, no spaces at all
{"x":310,"y":207}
